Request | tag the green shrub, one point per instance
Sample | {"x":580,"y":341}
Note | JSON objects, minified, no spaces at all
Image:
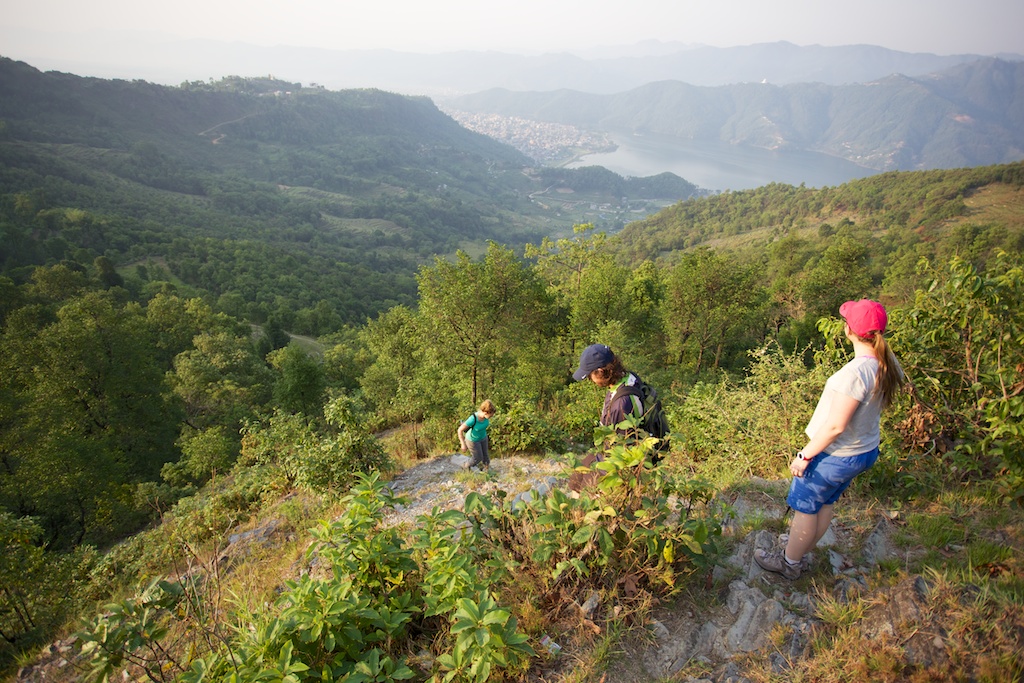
{"x":634,"y":529}
{"x":520,"y":429}
{"x":962,"y":346}
{"x":576,"y":411}
{"x":203,"y":454}
{"x":388,"y":592}
{"x":38,"y":588}
{"x":733,"y":430}
{"x":486,"y":638}
{"x":311,"y":459}
{"x":130,"y":632}
{"x":353,"y":625}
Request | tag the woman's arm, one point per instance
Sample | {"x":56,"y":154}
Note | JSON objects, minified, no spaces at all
{"x":462,"y":435}
{"x":839,"y":415}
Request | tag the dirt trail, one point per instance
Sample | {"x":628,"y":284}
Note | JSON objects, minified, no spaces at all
{"x":434,"y":483}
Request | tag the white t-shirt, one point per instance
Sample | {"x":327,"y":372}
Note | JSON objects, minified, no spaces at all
{"x":856,"y":379}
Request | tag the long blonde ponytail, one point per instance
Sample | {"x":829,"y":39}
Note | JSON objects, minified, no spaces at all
{"x":890,"y":375}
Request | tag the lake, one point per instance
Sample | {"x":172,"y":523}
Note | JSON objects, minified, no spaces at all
{"x":719,"y":165}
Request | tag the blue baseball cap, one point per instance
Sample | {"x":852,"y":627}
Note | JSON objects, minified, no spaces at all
{"x":593,"y":357}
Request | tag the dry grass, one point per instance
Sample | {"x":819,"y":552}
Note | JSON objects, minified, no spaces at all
{"x":407,"y":445}
{"x":995,"y":203}
{"x":968,"y":625}
{"x":963,"y":633}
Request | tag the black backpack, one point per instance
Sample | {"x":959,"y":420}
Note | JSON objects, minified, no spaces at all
{"x":654,"y":420}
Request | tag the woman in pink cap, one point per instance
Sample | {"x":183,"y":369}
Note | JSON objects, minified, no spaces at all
{"x":843,"y":434}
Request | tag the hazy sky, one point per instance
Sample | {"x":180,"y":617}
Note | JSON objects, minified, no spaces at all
{"x":938,"y":26}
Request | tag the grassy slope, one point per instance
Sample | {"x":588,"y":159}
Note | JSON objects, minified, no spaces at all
{"x":1002,"y":204}
{"x":993,"y":204}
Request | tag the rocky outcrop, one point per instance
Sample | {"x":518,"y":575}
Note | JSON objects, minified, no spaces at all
{"x":756,"y":610}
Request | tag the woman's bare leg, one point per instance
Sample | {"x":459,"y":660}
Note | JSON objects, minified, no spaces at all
{"x":824,"y":517}
{"x":803,"y":531}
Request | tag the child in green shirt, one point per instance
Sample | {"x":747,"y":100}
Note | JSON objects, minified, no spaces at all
{"x":473,"y":435}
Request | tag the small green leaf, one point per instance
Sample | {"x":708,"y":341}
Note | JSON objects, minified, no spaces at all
{"x":582,"y":535}
{"x":496,"y":617}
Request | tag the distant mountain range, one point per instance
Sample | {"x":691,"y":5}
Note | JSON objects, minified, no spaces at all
{"x":881,"y":109}
{"x":971,"y":114}
{"x":604,"y":71}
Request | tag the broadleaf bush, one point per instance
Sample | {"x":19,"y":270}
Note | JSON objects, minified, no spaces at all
{"x":521,"y":429}
{"x":380,"y":592}
{"x":315,"y":459}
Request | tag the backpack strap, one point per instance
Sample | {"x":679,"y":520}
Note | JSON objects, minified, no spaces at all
{"x":627,"y":390}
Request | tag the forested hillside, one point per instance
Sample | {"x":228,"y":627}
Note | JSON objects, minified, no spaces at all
{"x":152,"y":403}
{"x":969,"y":115}
{"x":269,"y":198}
{"x":246,"y":190}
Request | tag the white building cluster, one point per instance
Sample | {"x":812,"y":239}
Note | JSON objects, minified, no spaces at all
{"x":540,"y":140}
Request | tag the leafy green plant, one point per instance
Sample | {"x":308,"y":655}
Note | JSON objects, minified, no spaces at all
{"x":628,"y":531}
{"x":346,"y":626}
{"x":38,"y":588}
{"x":353,"y":546}
{"x":204,"y":454}
{"x":341,"y":625}
{"x":485,"y":637}
{"x":129,"y":632}
{"x":962,"y":345}
{"x":449,"y":571}
{"x":21,"y":559}
{"x":520,"y":429}
{"x":318,"y":460}
{"x":351,"y":625}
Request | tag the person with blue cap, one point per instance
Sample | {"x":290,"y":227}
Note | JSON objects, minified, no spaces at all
{"x":599,"y":364}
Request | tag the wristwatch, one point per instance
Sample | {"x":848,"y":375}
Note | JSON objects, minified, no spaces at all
{"x":801,"y":456}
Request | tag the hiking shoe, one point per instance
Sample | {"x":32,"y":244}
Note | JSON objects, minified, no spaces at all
{"x":805,"y":561}
{"x":775,"y":561}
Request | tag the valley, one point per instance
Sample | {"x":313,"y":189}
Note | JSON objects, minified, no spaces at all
{"x":967,"y":115}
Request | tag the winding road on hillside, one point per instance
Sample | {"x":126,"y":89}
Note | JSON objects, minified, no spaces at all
{"x":221,"y":136}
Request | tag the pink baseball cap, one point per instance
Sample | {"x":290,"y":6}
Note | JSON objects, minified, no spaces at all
{"x":865,"y":317}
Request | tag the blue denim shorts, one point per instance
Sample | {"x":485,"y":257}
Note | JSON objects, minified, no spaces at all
{"x":825,"y":479}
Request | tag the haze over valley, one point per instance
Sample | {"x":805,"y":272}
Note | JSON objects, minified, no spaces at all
{"x":915,"y":91}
